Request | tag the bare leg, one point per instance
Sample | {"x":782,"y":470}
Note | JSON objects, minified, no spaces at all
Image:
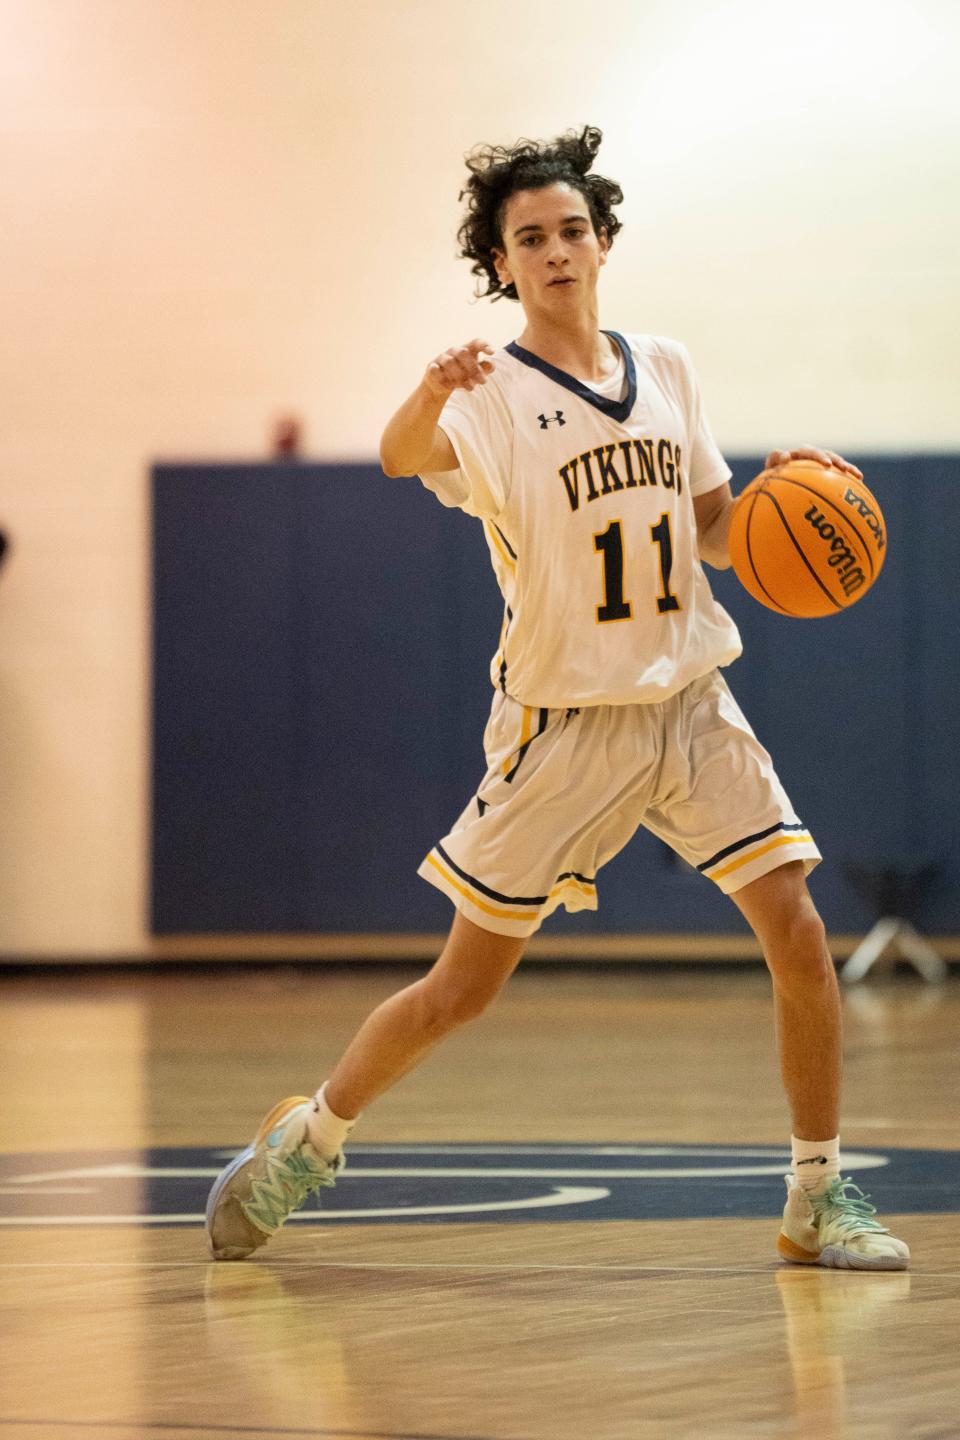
{"x":256,"y":1192}
{"x":806,"y":996}
{"x":469,"y":973}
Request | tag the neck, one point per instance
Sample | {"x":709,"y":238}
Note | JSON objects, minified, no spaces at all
{"x":574,"y":344}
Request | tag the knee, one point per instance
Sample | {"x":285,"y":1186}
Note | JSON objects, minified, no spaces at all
{"x":448,"y":1003}
{"x":795,"y":946}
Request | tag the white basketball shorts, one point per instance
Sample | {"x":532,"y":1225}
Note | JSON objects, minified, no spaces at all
{"x":566,"y":789}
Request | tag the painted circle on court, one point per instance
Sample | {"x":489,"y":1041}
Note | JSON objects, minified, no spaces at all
{"x":453,"y":1183}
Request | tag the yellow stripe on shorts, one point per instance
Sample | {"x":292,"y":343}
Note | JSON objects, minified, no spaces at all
{"x":491,"y":908}
{"x":483,"y":905}
{"x":805,"y":839}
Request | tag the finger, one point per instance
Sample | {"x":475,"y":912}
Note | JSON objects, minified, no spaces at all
{"x":459,"y":369}
{"x":809,"y":452}
{"x":477,"y":345}
{"x":468,"y":367}
{"x":458,"y":366}
{"x":442,"y":377}
{"x":838,"y":463}
{"x":826,"y":457}
{"x":438,"y":371}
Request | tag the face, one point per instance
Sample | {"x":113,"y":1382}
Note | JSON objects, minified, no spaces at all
{"x":552,"y":253}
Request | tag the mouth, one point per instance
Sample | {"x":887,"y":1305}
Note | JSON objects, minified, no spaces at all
{"x":561,"y":280}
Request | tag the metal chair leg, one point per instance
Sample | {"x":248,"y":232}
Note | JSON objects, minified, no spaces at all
{"x":898,"y":940}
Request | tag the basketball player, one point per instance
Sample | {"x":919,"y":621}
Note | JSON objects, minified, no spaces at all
{"x":587,"y":456}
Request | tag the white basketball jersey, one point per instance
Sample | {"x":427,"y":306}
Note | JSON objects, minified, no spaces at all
{"x":587,"y":504}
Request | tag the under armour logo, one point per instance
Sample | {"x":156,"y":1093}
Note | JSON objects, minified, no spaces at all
{"x":544,"y":422}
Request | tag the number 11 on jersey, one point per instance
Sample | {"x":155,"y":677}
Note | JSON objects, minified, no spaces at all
{"x":609,"y":543}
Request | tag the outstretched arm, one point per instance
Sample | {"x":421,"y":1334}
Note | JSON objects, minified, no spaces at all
{"x":413,"y":442}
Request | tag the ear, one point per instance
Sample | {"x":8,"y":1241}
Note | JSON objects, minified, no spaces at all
{"x":604,"y":244}
{"x":501,"y":267}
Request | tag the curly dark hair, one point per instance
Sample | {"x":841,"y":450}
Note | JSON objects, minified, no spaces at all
{"x":499,"y":171}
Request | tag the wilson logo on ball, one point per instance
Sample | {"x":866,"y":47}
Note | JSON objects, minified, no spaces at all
{"x":840,"y":554}
{"x":806,"y":540}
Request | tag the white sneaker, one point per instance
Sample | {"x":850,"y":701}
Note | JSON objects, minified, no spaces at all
{"x":835,"y":1227}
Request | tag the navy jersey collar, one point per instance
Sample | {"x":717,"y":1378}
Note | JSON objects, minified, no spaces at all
{"x":616,"y":409}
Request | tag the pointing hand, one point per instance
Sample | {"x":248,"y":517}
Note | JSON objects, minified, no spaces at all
{"x":460,"y":368}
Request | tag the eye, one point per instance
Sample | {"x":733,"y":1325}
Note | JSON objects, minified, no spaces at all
{"x":529,"y":240}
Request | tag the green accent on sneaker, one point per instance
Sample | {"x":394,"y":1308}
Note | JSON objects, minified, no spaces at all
{"x":849,"y":1213}
{"x":289,"y":1181}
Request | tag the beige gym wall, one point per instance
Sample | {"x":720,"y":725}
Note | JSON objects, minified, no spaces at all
{"x":214,"y":210}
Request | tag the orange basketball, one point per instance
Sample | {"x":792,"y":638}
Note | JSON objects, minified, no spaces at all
{"x":807,"y":540}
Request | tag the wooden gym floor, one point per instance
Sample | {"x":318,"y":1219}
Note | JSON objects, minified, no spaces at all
{"x":514,"y":1326}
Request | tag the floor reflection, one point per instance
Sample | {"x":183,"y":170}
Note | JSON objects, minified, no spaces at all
{"x":276,"y":1346}
{"x":831,"y":1316}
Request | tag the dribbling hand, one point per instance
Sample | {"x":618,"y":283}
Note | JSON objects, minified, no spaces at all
{"x":810,"y":452}
{"x":460,"y":368}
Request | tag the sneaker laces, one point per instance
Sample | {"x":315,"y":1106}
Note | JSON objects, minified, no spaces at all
{"x":288,"y":1183}
{"x":850,"y":1212}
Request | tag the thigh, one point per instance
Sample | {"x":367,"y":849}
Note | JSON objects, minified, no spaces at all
{"x":721,"y":804}
{"x":564,"y":791}
{"x":473,"y":949}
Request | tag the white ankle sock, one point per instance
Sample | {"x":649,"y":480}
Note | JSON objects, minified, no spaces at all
{"x":815,"y":1162}
{"x":326,"y":1130}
